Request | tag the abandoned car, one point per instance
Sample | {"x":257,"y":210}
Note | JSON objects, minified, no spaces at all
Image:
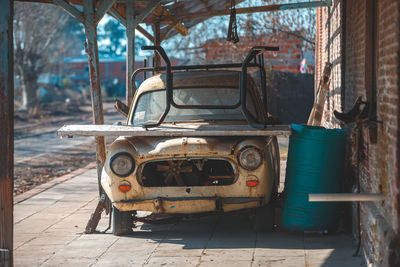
{"x":195,"y":174}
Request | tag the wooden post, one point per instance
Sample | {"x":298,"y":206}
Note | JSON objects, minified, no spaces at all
{"x":6,"y":132}
{"x":95,"y":82}
{"x":317,"y":111}
{"x":345,"y":197}
{"x":130,"y":50}
{"x":157,"y":42}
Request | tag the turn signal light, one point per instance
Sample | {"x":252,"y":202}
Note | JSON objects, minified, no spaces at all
{"x":251,"y":183}
{"x":124,"y":187}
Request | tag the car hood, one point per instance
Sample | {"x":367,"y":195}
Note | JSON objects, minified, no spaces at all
{"x":146,"y":147}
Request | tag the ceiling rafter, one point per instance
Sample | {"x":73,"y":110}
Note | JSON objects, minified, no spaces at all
{"x":161,"y":12}
{"x":144,"y":13}
{"x":145,"y":33}
{"x":70,"y":9}
{"x":246,"y":10}
{"x":105,"y":5}
{"x":169,"y":29}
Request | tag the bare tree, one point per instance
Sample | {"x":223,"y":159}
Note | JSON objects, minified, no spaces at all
{"x":299,"y":23}
{"x":296,"y":22}
{"x":40,"y":36}
{"x":190,"y":47}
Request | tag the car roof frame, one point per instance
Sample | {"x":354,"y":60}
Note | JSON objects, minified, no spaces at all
{"x":253,"y":59}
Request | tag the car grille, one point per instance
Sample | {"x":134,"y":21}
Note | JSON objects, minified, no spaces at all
{"x":187,"y":172}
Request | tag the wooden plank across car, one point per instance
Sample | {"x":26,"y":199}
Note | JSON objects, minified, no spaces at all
{"x":173,"y":130}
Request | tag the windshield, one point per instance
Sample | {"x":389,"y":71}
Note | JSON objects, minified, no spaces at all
{"x":150,"y":105}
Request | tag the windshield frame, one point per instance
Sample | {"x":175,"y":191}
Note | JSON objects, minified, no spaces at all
{"x":251,"y":94}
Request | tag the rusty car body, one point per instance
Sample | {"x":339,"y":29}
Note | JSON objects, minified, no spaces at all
{"x":185,"y":175}
{"x":197,"y":139}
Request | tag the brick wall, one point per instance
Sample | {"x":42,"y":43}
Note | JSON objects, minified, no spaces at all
{"x":353,"y":55}
{"x":328,"y":49}
{"x":287,"y":59}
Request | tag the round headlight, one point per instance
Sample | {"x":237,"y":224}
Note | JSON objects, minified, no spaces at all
{"x":250,"y":158}
{"x":122,"y":164}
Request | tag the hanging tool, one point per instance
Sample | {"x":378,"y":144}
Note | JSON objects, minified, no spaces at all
{"x":232,"y":30}
{"x":323,"y":88}
{"x":360,"y":117}
{"x":355,"y":112}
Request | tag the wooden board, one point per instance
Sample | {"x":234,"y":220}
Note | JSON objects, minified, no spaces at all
{"x":172,"y":130}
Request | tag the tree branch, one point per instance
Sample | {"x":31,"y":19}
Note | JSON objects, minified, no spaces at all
{"x":292,"y":33}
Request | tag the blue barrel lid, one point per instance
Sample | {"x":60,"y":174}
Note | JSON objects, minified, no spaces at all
{"x":317,"y":132}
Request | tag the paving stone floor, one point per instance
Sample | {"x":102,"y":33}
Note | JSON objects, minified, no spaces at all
{"x":48,"y":232}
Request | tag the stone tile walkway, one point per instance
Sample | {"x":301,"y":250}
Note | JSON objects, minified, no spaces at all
{"x":48,"y":232}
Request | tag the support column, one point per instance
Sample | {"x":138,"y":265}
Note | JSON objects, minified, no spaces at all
{"x":157,"y":42}
{"x":95,"y":82}
{"x":130,"y":50}
{"x":6,"y":132}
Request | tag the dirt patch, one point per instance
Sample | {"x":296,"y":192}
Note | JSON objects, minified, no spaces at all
{"x":37,"y":171}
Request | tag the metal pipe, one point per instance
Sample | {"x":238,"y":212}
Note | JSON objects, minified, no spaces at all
{"x":160,"y":51}
{"x":189,"y":67}
{"x":254,"y":51}
{"x":345,"y":197}
{"x":196,"y":67}
{"x":6,"y":132}
{"x":263,"y":82}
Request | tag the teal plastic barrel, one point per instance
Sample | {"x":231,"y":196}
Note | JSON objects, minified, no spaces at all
{"x":315,"y":165}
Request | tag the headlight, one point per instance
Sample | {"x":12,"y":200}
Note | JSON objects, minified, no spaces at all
{"x":122,"y":164}
{"x":250,"y":158}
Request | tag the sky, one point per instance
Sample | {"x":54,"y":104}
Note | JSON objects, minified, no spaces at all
{"x":100,"y":29}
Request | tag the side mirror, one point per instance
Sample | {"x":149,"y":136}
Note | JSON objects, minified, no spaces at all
{"x":121,"y":107}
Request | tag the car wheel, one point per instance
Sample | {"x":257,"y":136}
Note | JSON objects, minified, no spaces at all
{"x":264,"y":218}
{"x":122,"y":222}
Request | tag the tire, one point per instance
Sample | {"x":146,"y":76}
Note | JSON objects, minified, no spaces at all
{"x":122,"y":222}
{"x":264,"y":218}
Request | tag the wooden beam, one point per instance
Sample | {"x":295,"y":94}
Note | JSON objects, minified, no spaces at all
{"x":114,"y":12}
{"x":173,"y":130}
{"x":130,"y":50}
{"x":157,"y":42}
{"x":168,"y":31}
{"x":150,"y":6}
{"x":6,"y":132}
{"x":145,"y":33}
{"x":246,"y":10}
{"x":121,"y":19}
{"x":162,"y":12}
{"x":92,"y":50}
{"x":103,"y":8}
{"x":345,"y":197}
{"x":73,"y":11}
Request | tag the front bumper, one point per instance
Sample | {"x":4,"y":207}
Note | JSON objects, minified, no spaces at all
{"x":189,"y":205}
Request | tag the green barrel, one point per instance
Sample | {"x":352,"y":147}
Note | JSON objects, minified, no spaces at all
{"x":315,"y":165}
